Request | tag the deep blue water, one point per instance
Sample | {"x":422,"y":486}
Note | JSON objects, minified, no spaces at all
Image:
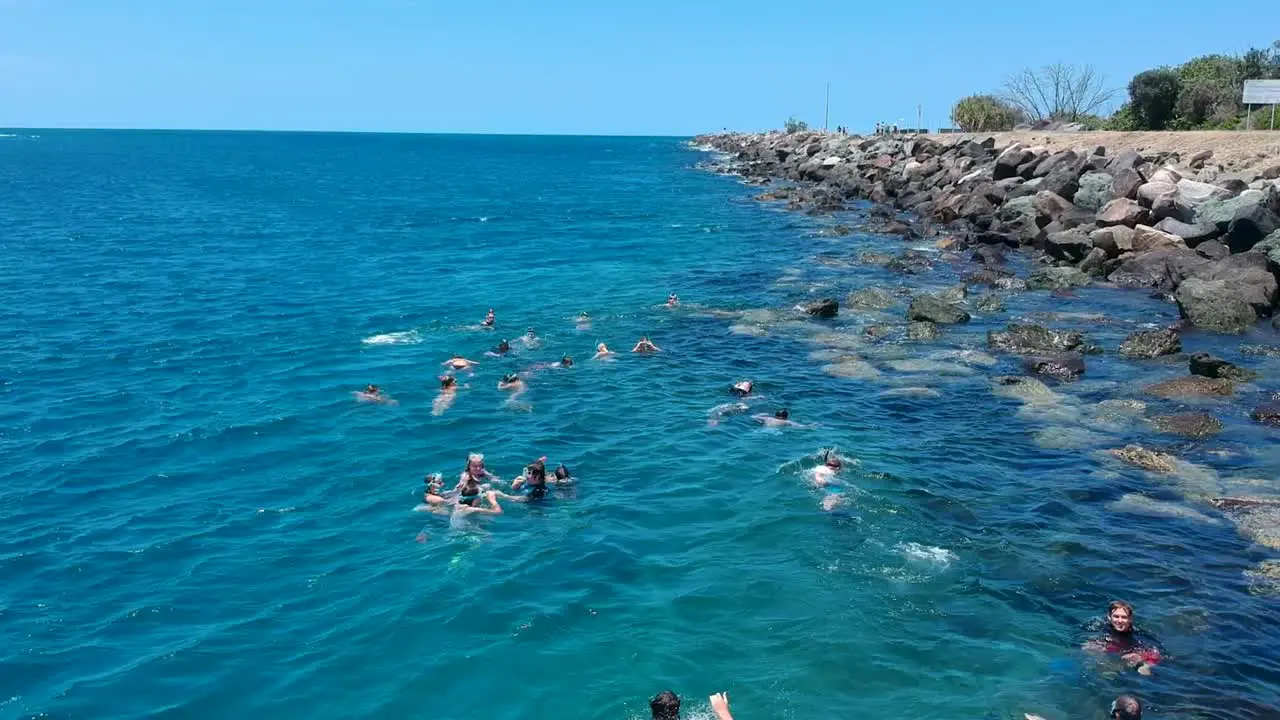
{"x":197,"y":520}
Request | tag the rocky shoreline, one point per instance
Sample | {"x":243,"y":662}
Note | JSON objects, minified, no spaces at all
{"x":1185,"y":229}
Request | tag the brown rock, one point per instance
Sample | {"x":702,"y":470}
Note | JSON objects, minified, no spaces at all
{"x":1122,"y":211}
{"x":1193,"y":425}
{"x":1146,"y":459}
{"x":1148,"y":238}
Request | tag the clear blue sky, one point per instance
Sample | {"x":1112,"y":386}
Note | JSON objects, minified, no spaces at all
{"x":562,"y":66}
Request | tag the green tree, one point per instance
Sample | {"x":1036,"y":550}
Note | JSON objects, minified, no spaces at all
{"x":978,"y":113}
{"x":1210,"y":94}
{"x":794,"y":126}
{"x":1153,"y":98}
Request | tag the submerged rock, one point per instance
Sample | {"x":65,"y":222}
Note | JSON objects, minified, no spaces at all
{"x":1264,"y":578}
{"x":1057,"y":278}
{"x":990,"y":304}
{"x":1143,"y":505}
{"x":1263,"y":350}
{"x":872,"y":298}
{"x":1267,"y":414}
{"x":935,"y":309}
{"x":1257,"y":518}
{"x":1146,"y":459}
{"x":1196,"y":425}
{"x":1214,"y":305}
{"x":1191,"y":386}
{"x":825,"y":308}
{"x":1214,"y":367}
{"x":852,"y":368}
{"x":1025,"y":389}
{"x":1067,"y":367}
{"x":923,"y":330}
{"x":1025,"y":338}
{"x":1151,"y":344}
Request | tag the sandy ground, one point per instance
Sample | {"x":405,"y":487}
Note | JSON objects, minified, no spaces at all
{"x":1234,"y":150}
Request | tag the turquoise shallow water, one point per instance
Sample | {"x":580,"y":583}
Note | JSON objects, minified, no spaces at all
{"x":198,"y":521}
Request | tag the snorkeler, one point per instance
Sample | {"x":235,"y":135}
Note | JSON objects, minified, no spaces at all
{"x":1125,"y":707}
{"x":448,"y":393}
{"x":645,"y":346}
{"x":534,"y":482}
{"x":489,"y":319}
{"x":1136,"y":650}
{"x":582,"y":321}
{"x":673,"y":300}
{"x":512,"y":382}
{"x":530,"y":339}
{"x":503,"y":348}
{"x":562,"y":474}
{"x":824,"y":478}
{"x":457,"y":362}
{"x":602,"y":352}
{"x":374,"y":394}
{"x":719,"y":411}
{"x":434,"y":497}
{"x":474,"y":472}
{"x":463,"y":509}
{"x":742,"y":388}
{"x":782,"y":418}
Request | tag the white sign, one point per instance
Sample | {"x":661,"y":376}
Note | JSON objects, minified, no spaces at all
{"x":1261,"y":92}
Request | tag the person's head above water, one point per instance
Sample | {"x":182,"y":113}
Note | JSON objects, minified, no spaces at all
{"x":562,"y":472}
{"x":1126,"y":707}
{"x":1120,"y":616}
{"x":782,"y":414}
{"x":371,"y":389}
{"x":448,"y":381}
{"x":504,"y":346}
{"x":434,"y":482}
{"x":510,"y":378}
{"x":475,"y":463}
{"x":566,"y":361}
{"x":536,"y":470}
{"x":530,"y":333}
{"x":832,"y":460}
{"x":602,"y":348}
{"x":665,"y":706}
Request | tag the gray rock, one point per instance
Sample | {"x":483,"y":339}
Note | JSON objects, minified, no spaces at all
{"x":1127,"y":160}
{"x":1008,"y":162}
{"x":1012,"y":284}
{"x":1250,"y":278}
{"x":1191,"y":386}
{"x":1070,"y":245}
{"x":872,"y":298}
{"x":1160,"y":269}
{"x":1095,"y":263}
{"x":1026,"y":338}
{"x":1214,"y":305}
{"x":1094,"y":192}
{"x":923,"y":331}
{"x":1191,"y":233}
{"x":1115,"y":240}
{"x":1168,"y":206}
{"x":1064,"y":181}
{"x":1221,"y":212}
{"x":1148,"y":193}
{"x":1165,"y":174}
{"x":1261,"y":350}
{"x":1148,"y":238}
{"x":1125,"y":183}
{"x":990,"y":304}
{"x":1019,"y":209}
{"x":1206,"y":365}
{"x":1057,"y":278}
{"x":1194,"y":193}
{"x":988,"y":255}
{"x":1213,"y":250}
{"x":1147,"y":344}
{"x":1198,"y":160}
{"x":1196,"y":425}
{"x":1064,"y":367}
{"x":935,"y":309}
{"x":1050,"y":206}
{"x":1122,"y":211}
{"x":1249,"y":226}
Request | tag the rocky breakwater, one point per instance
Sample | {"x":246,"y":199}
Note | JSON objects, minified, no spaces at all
{"x":1154,"y":220}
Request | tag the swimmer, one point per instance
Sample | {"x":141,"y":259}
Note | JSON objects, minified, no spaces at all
{"x":489,"y":319}
{"x":474,"y":508}
{"x":645,"y":346}
{"x":435,"y":498}
{"x":719,"y":411}
{"x":473,"y":473}
{"x":742,"y":388}
{"x":448,"y":393}
{"x":1125,"y":707}
{"x":512,"y":382}
{"x":534,"y":482}
{"x":562,"y":474}
{"x":825,"y":474}
{"x":782,"y":418}
{"x":373,"y":394}
{"x":673,"y":300}
{"x":530,"y":339}
{"x":565,"y":362}
{"x":1136,"y":650}
{"x":583,"y":321}
{"x":502,"y":349}
{"x":457,"y":362}
{"x":603,"y":352}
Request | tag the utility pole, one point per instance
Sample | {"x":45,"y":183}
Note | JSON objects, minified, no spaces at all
{"x":920,"y":119}
{"x":826,"y":113}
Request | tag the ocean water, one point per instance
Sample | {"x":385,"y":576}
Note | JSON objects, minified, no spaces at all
{"x":197,"y":520}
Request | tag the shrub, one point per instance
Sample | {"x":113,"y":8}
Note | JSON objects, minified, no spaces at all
{"x":1153,"y":97}
{"x":984,"y":112}
{"x":794,"y":126}
{"x":1210,"y":94}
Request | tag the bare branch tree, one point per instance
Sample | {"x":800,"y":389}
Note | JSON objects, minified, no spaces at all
{"x":1058,"y":92}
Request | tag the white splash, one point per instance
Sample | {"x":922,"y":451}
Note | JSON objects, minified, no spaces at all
{"x":408,"y":337}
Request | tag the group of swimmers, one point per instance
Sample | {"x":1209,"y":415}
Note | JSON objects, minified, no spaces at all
{"x":476,"y":484}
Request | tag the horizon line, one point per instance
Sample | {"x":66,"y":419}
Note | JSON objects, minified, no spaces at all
{"x":303,"y":131}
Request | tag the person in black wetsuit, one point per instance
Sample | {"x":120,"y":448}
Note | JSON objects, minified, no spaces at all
{"x":534,"y":482}
{"x":1134,"y":648}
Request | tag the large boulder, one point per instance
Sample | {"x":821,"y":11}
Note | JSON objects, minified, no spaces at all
{"x":1070,"y":245}
{"x":1192,"y":234}
{"x":1125,"y":183}
{"x":1148,"y":238}
{"x":1050,"y":207}
{"x":1027,"y":338}
{"x":1007,"y":162}
{"x":1270,"y":248}
{"x":1057,"y":278}
{"x":1249,"y":276}
{"x":1019,"y":209}
{"x":1194,"y":193}
{"x":1250,"y":225}
{"x":1213,"y":250}
{"x":1094,"y":191}
{"x":1095,"y":263}
{"x":825,"y":308}
{"x":1160,"y":269}
{"x":1196,"y":425}
{"x":1127,"y":160}
{"x":872,"y":298}
{"x":1169,"y":206}
{"x":1115,"y":240}
{"x":1207,"y":365}
{"x":1214,"y":305}
{"x":988,"y":255}
{"x":1067,"y":367}
{"x":936,"y":310}
{"x":1064,"y":181}
{"x":1149,"y":344}
{"x":923,"y":331}
{"x":1191,"y":386}
{"x":1221,"y":212}
{"x":1122,"y":211}
{"x":1148,"y":193}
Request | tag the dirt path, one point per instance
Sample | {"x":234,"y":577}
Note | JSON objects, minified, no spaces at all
{"x":1236,"y":151}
